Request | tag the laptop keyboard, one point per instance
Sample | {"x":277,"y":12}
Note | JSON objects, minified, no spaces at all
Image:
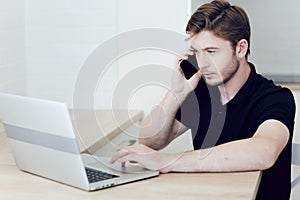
{"x":95,"y":175}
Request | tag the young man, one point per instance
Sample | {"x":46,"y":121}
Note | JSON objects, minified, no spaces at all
{"x":240,"y":121}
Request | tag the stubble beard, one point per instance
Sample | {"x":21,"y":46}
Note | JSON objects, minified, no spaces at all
{"x":227,"y":75}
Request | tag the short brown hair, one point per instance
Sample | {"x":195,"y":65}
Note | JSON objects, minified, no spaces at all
{"x":224,"y":20}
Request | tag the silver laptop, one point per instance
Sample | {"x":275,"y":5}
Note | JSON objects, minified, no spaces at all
{"x":43,"y":142}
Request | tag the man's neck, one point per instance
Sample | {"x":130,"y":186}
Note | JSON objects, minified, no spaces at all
{"x":232,"y":86}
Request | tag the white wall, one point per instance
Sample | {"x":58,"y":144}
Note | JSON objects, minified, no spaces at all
{"x":60,"y":34}
{"x":12,"y":47}
{"x":57,"y":36}
{"x":137,"y":14}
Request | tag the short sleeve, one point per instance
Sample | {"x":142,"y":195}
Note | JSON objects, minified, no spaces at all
{"x":279,"y":106}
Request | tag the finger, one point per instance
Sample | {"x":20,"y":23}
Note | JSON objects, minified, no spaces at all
{"x":194,"y":80}
{"x":133,"y":148}
{"x":123,"y":152}
{"x":135,"y":158}
{"x":138,"y":149}
{"x":177,"y":77}
{"x":190,"y":52}
{"x":128,"y":158}
{"x":179,"y":69}
{"x":119,"y":154}
{"x":186,"y":55}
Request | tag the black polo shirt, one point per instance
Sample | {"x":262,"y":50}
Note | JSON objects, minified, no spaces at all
{"x":258,"y":100}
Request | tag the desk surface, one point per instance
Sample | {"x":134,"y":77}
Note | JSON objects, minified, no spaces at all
{"x":17,"y":185}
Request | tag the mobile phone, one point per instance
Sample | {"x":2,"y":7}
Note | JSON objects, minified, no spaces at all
{"x":189,"y":66}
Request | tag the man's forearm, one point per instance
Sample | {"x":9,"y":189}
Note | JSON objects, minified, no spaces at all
{"x":158,"y":129}
{"x":243,"y":155}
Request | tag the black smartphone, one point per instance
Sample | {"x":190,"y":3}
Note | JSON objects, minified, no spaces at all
{"x":189,"y":66}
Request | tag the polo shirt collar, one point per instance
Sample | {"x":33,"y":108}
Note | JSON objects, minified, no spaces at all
{"x":242,"y":95}
{"x":247,"y":89}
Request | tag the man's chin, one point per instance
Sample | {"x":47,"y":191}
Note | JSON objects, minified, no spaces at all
{"x":213,"y":83}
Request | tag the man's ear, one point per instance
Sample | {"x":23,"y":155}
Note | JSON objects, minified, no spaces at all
{"x":241,"y":48}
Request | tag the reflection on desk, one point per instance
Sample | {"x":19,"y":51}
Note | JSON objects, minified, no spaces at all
{"x":18,"y":185}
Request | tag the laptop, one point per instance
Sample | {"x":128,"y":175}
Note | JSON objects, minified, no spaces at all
{"x":43,"y":142}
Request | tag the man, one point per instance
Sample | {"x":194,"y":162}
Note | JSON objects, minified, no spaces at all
{"x":243,"y":121}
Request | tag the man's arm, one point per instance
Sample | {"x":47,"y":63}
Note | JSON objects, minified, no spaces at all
{"x":257,"y":153}
{"x":160,"y":127}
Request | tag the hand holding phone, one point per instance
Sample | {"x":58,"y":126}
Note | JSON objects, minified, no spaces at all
{"x":189,"y":66}
{"x":186,"y":77}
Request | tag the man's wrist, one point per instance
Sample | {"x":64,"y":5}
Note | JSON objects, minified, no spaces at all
{"x":172,"y":103}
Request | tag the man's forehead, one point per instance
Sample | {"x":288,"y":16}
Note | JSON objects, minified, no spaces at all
{"x":206,"y":39}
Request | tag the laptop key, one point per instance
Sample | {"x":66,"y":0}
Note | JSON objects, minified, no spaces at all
{"x":95,"y":175}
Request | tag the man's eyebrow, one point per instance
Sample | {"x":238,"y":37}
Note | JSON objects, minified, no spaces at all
{"x":210,"y":48}
{"x":205,"y":49}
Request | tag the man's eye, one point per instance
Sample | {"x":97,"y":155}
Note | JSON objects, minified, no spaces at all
{"x":211,"y":51}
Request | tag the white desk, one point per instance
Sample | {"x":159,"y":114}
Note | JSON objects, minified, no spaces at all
{"x":18,"y":185}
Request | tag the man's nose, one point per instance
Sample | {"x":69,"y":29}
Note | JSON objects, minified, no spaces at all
{"x":202,"y":60}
